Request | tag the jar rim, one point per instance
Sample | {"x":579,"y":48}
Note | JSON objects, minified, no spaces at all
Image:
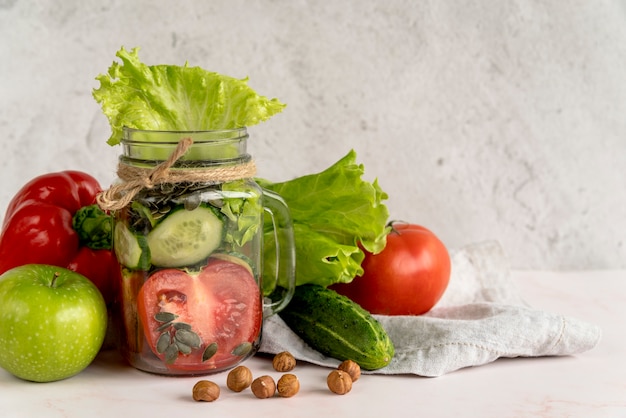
{"x":240,"y":129}
{"x":174,"y":136}
{"x":208,"y":148}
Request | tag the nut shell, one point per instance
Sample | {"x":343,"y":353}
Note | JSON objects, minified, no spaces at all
{"x":339,"y":382}
{"x":352,"y":368}
{"x":288,"y":385}
{"x":284,"y":362}
{"x":239,"y":379}
{"x":263,"y":387}
{"x":206,"y":391}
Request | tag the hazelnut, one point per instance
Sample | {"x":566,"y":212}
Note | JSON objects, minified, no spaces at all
{"x":239,"y":378}
{"x":205,"y":390}
{"x":263,"y":387}
{"x":352,"y":368}
{"x":339,"y":382}
{"x":284,"y":362}
{"x":288,"y":385}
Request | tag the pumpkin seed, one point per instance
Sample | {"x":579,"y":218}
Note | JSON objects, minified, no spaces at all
{"x":181,"y":325}
{"x":242,"y":349}
{"x":188,"y":337}
{"x":183,"y":348}
{"x":165,"y":316}
{"x":157,"y":216}
{"x":164,"y":326}
{"x":164,"y":210}
{"x":163,"y":342}
{"x":171,"y":353}
{"x":217,"y":203}
{"x":192,"y":202}
{"x":209,"y":351}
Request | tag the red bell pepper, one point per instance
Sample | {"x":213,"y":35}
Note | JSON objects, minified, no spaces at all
{"x":53,"y":219}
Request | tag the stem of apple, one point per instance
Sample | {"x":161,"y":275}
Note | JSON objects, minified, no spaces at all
{"x":54,"y":279}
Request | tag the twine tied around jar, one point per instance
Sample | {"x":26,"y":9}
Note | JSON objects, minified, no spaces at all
{"x":137,"y":178}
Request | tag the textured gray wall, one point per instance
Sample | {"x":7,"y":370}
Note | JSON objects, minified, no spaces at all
{"x":483,"y":120}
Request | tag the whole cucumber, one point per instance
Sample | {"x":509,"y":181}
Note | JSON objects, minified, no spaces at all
{"x":337,"y":327}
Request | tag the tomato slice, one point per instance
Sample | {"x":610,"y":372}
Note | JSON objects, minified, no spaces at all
{"x":203,"y":320}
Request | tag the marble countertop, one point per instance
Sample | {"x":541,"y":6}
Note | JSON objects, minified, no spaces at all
{"x":592,"y":384}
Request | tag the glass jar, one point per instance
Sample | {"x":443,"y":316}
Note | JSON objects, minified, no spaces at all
{"x":188,"y":235}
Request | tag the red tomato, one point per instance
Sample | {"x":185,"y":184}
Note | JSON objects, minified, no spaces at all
{"x":222,"y":305}
{"x":407,"y":278}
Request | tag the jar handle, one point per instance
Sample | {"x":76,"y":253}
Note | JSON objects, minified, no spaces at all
{"x":285,"y":248}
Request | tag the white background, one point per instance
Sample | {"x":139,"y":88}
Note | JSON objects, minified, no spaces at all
{"x":482,"y":120}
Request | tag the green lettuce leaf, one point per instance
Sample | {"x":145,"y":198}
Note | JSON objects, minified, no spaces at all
{"x":243,"y":210}
{"x":335,"y":213}
{"x":177,"y":98}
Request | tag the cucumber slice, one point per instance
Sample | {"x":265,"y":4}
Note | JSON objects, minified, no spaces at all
{"x":131,"y":249}
{"x":185,"y":237}
{"x":236,"y":258}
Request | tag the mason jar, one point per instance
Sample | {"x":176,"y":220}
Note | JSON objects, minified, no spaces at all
{"x":189,"y":237}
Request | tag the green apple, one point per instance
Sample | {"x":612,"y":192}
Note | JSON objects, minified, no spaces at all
{"x":52,"y":322}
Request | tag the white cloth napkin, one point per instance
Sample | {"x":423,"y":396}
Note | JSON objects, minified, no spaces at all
{"x":480,"y":318}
